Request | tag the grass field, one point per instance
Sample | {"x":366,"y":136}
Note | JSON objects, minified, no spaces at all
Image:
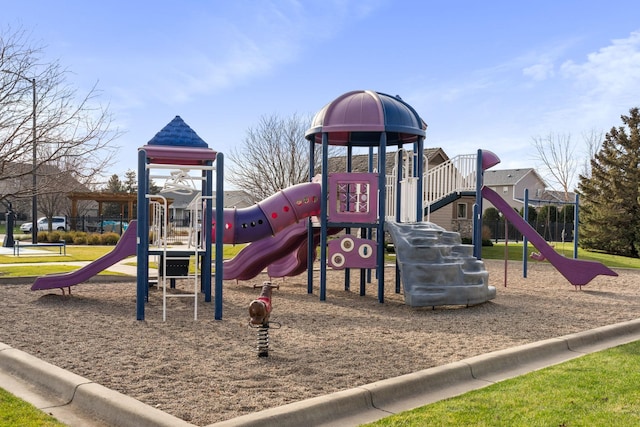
{"x":599,"y":389}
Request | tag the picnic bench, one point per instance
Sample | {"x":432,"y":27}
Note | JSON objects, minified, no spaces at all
{"x":62,"y":245}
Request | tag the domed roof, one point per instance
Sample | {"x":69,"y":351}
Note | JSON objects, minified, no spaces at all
{"x":357,"y":118}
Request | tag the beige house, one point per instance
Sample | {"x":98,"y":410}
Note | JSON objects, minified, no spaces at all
{"x":511,"y":184}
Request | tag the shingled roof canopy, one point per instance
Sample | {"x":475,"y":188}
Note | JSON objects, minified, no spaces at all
{"x":357,"y":118}
{"x":178,"y":144}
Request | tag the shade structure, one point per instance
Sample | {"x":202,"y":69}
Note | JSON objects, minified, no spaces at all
{"x":177,"y":143}
{"x":357,"y":118}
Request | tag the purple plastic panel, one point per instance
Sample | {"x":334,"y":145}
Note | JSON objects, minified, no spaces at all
{"x":161,"y":154}
{"x":228,"y":233}
{"x":305,"y":199}
{"x":352,"y":252}
{"x":353,"y":197}
{"x":489,"y":159}
{"x":278,"y":211}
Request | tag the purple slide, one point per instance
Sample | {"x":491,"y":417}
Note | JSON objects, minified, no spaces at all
{"x":126,"y":247}
{"x":254,"y":258}
{"x":295,"y":262}
{"x":577,"y":272}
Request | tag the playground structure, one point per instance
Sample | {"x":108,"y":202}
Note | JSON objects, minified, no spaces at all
{"x":178,"y":149}
{"x":286,"y":230}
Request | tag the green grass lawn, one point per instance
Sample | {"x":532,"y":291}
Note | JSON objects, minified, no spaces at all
{"x":16,"y":412}
{"x":514,"y":253}
{"x":599,"y":389}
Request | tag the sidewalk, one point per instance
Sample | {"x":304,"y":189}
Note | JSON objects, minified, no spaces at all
{"x":77,"y":401}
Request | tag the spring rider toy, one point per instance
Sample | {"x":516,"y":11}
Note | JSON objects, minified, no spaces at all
{"x":259,"y":313}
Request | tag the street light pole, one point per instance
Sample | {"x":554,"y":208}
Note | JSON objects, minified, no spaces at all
{"x":34,"y":165}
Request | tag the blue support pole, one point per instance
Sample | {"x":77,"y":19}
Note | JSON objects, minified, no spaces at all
{"x":525,"y":241}
{"x":477,"y":209}
{"x":219,"y":233}
{"x":420,"y":173}
{"x":310,"y":245}
{"x":398,"y":192}
{"x":207,"y":191}
{"x":323,"y":217}
{"x":142,"y":248}
{"x":369,"y":230}
{"x":382,"y":198}
{"x":347,"y":271}
{"x":575,"y":226}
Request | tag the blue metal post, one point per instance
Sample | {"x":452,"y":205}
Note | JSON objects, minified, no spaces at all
{"x":477,"y":209}
{"x":310,"y":245}
{"x":525,"y":241}
{"x":398,"y":192}
{"x":382,"y":198}
{"x":219,"y":233}
{"x":347,"y":271}
{"x":420,"y":173}
{"x":142,"y":249}
{"x":575,"y":227}
{"x":323,"y":217}
{"x":207,"y":191}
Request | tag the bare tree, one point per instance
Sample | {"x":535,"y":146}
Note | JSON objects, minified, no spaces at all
{"x":72,"y":132}
{"x":593,"y":140}
{"x":557,"y":155}
{"x":275,"y":155}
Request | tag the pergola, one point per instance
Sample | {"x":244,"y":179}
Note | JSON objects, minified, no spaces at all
{"x":123,"y":199}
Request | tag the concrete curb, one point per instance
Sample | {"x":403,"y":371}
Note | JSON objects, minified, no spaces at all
{"x":77,"y":394}
{"x":382,"y":398}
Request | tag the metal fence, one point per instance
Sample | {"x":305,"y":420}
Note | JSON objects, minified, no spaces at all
{"x":551,"y":231}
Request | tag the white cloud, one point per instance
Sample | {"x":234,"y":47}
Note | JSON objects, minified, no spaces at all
{"x":613,"y":70}
{"x":540,"y":71}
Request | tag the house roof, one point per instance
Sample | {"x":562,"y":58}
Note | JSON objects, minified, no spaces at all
{"x":553,"y":196}
{"x":232,"y":199}
{"x":507,"y":176}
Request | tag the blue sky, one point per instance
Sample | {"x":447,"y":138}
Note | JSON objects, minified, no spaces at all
{"x":490,"y":74}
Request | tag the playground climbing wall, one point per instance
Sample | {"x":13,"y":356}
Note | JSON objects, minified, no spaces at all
{"x":436,"y":268}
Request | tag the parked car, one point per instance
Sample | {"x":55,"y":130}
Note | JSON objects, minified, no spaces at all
{"x":112,"y":226}
{"x":58,"y":223}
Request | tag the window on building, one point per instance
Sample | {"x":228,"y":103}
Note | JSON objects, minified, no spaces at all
{"x":462,"y":210}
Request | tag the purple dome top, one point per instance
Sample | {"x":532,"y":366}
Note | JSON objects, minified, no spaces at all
{"x":357,"y":118}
